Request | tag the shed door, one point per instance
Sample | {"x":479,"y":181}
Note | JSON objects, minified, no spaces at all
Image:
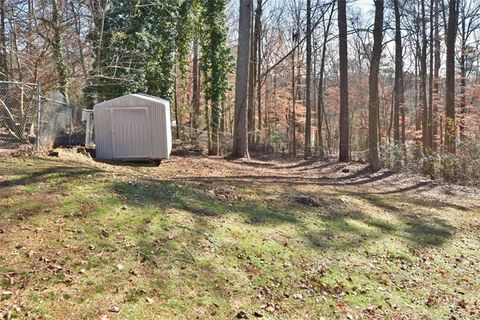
{"x":131,"y":136}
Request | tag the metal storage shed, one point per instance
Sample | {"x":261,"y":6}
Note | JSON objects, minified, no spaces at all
{"x":133,"y":127}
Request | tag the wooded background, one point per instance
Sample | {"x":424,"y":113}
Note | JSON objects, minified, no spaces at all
{"x":380,"y":80}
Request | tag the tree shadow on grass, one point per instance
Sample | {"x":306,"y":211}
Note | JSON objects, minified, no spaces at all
{"x":63,"y":172}
{"x":283,"y":181}
{"x":346,"y":230}
{"x":165,"y":194}
{"x":342,"y":228}
{"x":391,"y":202}
{"x":358,"y":179}
{"x":351,"y":227}
{"x":259,"y":164}
{"x":27,"y":204}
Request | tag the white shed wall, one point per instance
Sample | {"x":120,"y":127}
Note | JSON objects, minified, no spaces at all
{"x":133,"y":127}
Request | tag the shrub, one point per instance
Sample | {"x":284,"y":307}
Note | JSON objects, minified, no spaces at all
{"x":461,"y":168}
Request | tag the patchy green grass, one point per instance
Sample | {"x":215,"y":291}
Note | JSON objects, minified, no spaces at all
{"x":77,"y":241}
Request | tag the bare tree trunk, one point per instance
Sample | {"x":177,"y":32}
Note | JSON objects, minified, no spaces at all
{"x":208,"y":122}
{"x":308,"y":119}
{"x":215,"y":138}
{"x":294,"y":98}
{"x":450,"y":125}
{"x":58,"y":48}
{"x":321,"y":85}
{"x":399,"y":85}
{"x":258,"y":40}
{"x":329,"y":135}
{"x":373,"y":87}
{"x":78,"y":26}
{"x":3,"y":44}
{"x":15,"y":48}
{"x":175,"y":99}
{"x":99,"y":8}
{"x":251,"y":85}
{"x":463,"y":76}
{"x":430,"y":79}
{"x":196,"y":85}
{"x":344,"y":152}
{"x":436,"y":79}
{"x":418,"y":111}
{"x":423,"y":81}
{"x":240,"y":138}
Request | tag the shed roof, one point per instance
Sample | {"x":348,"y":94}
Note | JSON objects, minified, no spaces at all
{"x":137,"y":96}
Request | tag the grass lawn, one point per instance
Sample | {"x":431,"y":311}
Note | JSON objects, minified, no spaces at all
{"x":88,"y":242}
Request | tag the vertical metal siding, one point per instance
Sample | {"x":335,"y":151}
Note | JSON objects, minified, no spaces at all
{"x":119,"y":124}
{"x":131,"y":133}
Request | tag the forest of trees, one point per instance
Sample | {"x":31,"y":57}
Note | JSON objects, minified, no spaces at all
{"x":384,"y":81}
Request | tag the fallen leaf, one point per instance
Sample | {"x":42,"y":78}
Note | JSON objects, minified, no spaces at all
{"x":462,"y":304}
{"x":341,"y":305}
{"x":6,"y":293}
{"x":242,"y":315}
{"x":431,"y":301}
{"x":298,"y":296}
{"x":114,"y":309}
{"x":258,"y":314}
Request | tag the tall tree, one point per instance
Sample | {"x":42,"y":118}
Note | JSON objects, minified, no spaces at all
{"x":463,"y":69}
{"x":417,"y":94}
{"x":3,"y":44}
{"x":293,"y":115}
{"x":58,"y":48}
{"x":215,"y":64}
{"x":373,"y":105}
{"x":423,"y":80}
{"x":344,"y":155}
{"x":195,"y":30}
{"x":431,"y":75}
{"x":240,"y":133}
{"x":252,"y":73}
{"x":321,"y":86}
{"x":195,"y":83}
{"x":469,"y":14}
{"x":308,"y":83}
{"x":258,"y":40}
{"x":436,"y":77}
{"x":398,"y":135}
{"x":450,"y":123}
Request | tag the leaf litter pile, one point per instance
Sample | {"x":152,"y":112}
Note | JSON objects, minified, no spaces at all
{"x":204,"y":238}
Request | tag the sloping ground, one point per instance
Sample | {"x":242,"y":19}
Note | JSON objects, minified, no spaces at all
{"x":206,"y":238}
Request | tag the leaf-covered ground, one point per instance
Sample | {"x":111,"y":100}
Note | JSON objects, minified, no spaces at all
{"x":210,"y":239}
